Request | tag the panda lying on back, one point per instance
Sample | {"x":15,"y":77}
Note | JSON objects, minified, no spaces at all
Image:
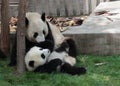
{"x":41,"y":60}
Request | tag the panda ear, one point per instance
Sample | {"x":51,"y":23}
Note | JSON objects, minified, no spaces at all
{"x":43,"y":17}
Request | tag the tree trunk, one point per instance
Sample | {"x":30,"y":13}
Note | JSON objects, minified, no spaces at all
{"x":21,"y":37}
{"x":5,"y":38}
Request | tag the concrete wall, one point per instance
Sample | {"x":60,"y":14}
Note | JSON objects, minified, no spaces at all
{"x":97,"y":44}
{"x":99,"y":34}
{"x":57,"y":7}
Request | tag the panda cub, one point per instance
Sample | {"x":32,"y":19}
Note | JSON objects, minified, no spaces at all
{"x":36,"y":60}
{"x":36,"y":57}
{"x":41,"y":60}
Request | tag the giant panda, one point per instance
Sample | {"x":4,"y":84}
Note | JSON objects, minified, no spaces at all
{"x":36,"y":31}
{"x":36,"y":57}
{"x":40,"y":60}
{"x":47,"y":32}
{"x":43,"y":34}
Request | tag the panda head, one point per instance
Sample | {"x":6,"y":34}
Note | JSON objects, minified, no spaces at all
{"x":37,"y":28}
{"x":35,"y":57}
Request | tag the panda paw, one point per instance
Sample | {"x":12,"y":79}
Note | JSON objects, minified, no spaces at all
{"x":81,"y":70}
{"x":73,"y":70}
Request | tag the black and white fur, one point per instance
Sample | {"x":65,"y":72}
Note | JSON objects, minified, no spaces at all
{"x":36,"y":60}
{"x":40,"y":30}
{"x":36,"y":57}
{"x":58,"y":60}
{"x":41,"y":33}
{"x":36,"y":33}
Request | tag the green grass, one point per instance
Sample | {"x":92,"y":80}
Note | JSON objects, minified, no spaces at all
{"x":107,"y":74}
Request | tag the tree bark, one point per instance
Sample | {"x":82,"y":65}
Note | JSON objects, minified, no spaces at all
{"x":21,"y":37}
{"x":5,"y":38}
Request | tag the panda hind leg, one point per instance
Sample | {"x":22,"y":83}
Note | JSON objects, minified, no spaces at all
{"x":72,"y":47}
{"x":52,"y":65}
{"x":73,"y":70}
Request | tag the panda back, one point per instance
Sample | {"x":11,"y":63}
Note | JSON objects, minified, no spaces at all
{"x":57,"y":35}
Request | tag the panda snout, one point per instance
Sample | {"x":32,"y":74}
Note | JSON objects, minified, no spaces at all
{"x":40,"y":39}
{"x":47,"y":51}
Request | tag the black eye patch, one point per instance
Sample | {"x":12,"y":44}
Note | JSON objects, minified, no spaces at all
{"x":31,"y":63}
{"x":35,"y":35}
{"x":43,"y":32}
{"x":40,"y":49}
{"x":43,"y":56}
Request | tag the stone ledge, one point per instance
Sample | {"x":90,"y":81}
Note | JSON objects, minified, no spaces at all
{"x":97,"y":44}
{"x":99,"y":34}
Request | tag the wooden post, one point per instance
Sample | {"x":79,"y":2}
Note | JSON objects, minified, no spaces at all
{"x":21,"y":37}
{"x":5,"y":38}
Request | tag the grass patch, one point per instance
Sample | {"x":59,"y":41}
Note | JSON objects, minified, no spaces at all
{"x":107,"y":74}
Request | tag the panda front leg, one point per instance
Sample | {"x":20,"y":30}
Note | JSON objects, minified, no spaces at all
{"x":47,"y":44}
{"x":49,"y":67}
{"x":73,"y":70}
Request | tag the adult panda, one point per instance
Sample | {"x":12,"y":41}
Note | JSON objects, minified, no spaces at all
{"x":42,"y":61}
{"x":41,"y":33}
{"x":48,"y":32}
{"x":39,"y":30}
{"x":36,"y":32}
